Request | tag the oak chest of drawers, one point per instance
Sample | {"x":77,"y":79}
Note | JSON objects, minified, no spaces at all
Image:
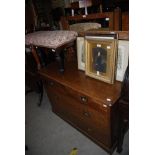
{"x":87,"y":104}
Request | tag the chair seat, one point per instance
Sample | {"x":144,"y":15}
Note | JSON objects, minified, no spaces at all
{"x":80,"y":27}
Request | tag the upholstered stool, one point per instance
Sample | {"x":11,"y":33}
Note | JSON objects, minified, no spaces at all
{"x":57,"y":41}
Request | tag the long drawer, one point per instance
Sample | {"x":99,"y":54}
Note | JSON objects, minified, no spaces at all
{"x":79,"y":97}
{"x":71,"y":106}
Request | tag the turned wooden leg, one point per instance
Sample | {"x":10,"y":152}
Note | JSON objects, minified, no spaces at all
{"x":34,"y":53}
{"x":61,"y":61}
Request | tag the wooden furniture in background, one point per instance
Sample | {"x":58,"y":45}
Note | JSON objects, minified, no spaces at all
{"x":113,"y":17}
{"x":30,"y":17}
{"x":125,"y":21}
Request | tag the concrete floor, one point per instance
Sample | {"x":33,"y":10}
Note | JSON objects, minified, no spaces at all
{"x":47,"y":134}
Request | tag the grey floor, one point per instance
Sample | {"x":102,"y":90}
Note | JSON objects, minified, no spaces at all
{"x":47,"y":134}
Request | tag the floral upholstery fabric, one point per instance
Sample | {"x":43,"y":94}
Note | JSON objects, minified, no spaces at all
{"x":50,"y":39}
{"x":79,"y":27}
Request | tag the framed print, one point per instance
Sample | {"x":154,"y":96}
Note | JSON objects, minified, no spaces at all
{"x":80,"y":53}
{"x":122,"y":61}
{"x":101,"y":53}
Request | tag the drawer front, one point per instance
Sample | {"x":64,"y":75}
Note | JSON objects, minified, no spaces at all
{"x":79,"y":97}
{"x":92,"y":122}
{"x":86,"y":100}
{"x":55,"y":87}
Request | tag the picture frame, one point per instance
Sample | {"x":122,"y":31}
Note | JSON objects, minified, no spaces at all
{"x":80,"y":53}
{"x":101,"y":54}
{"x":123,"y":58}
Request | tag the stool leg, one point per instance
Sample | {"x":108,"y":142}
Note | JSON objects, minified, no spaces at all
{"x":34,"y":53}
{"x":61,"y":61}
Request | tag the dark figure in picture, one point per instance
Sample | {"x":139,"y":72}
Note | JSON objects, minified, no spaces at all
{"x":99,"y":59}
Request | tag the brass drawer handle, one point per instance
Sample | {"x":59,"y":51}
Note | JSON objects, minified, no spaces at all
{"x":84,"y":99}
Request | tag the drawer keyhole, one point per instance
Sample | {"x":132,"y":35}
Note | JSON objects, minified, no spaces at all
{"x":84,"y":99}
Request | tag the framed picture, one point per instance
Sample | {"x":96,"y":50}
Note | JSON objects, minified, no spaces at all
{"x":80,"y":53}
{"x":122,"y":61}
{"x":101,"y":53}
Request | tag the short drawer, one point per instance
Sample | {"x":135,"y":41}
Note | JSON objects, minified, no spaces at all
{"x":75,"y":107}
{"x":86,"y":100}
{"x":55,"y":87}
{"x":96,"y":131}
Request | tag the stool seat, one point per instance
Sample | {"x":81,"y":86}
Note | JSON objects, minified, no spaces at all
{"x":50,"y":39}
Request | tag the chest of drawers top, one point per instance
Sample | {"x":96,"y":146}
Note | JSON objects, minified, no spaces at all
{"x":75,"y":79}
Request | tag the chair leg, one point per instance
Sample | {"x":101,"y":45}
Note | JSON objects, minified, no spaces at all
{"x":41,"y":91}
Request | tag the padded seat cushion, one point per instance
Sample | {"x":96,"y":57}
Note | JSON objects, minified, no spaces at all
{"x":50,"y":39}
